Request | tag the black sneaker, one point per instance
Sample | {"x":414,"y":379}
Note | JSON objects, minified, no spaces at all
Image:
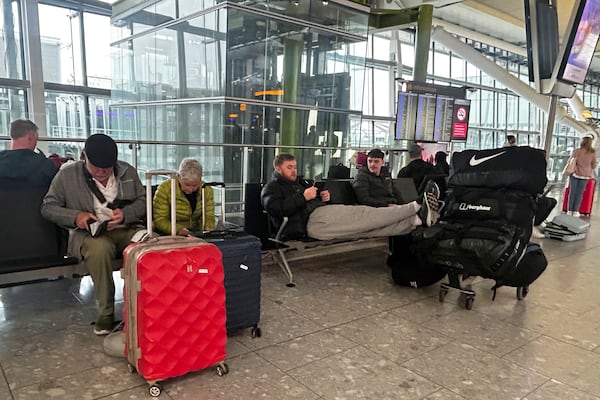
{"x":430,"y":208}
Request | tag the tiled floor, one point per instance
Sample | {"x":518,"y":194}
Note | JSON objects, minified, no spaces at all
{"x":344,"y":332}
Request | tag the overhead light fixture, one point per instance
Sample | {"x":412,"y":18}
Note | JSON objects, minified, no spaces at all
{"x":296,"y":2}
{"x":325,"y":2}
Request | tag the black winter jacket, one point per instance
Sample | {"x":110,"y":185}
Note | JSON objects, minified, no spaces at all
{"x":27,"y":166}
{"x":281,"y":198}
{"x":375,"y":191}
{"x":417,"y":169}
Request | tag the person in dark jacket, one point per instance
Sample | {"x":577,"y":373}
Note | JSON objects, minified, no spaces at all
{"x":372,"y":185}
{"x":441,"y":165}
{"x":287,"y":196}
{"x":417,"y":168}
{"x":21,"y":163}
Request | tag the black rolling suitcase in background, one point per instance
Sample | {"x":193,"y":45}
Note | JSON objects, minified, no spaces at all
{"x":242,"y":265}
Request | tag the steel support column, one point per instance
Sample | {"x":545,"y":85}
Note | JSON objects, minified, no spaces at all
{"x":291,"y":82}
{"x":423,"y":42}
{"x":33,"y":64}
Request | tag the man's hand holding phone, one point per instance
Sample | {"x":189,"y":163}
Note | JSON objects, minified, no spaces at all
{"x":310,"y":193}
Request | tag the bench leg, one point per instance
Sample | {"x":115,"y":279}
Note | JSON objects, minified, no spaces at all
{"x":285,"y":267}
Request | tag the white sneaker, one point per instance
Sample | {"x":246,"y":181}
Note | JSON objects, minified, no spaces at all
{"x":576,"y":214}
{"x":536,"y":233}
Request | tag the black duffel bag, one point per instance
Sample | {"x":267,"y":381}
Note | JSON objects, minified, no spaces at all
{"x":476,"y":248}
{"x":514,"y":168}
{"x":514,"y":207}
{"x":407,"y":268}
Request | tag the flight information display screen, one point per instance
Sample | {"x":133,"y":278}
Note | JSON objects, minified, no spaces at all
{"x":427,"y":117}
{"x":582,"y":44}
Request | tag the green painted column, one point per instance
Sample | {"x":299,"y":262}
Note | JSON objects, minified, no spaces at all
{"x":292,"y":59}
{"x":423,"y":42}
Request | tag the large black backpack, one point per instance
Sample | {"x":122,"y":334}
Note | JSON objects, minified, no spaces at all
{"x":489,"y":204}
{"x":489,"y":249}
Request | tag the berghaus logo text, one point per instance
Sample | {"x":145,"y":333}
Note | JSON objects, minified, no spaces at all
{"x":473,"y":207}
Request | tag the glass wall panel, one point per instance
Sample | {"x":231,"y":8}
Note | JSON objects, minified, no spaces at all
{"x":442,"y":65}
{"x":459,"y":68}
{"x":10,"y":41}
{"x":65,"y":115}
{"x":97,"y":46}
{"x":61,"y":45}
{"x":501,"y":113}
{"x":473,"y":74}
{"x":12,"y":106}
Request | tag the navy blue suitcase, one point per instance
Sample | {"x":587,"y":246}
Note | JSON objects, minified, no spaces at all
{"x":242,"y":265}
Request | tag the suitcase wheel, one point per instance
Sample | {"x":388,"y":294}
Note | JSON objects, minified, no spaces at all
{"x":155,"y":390}
{"x":256,"y":332}
{"x":222,"y":369}
{"x":442,"y":294}
{"x":522,"y":292}
{"x":469,"y":303}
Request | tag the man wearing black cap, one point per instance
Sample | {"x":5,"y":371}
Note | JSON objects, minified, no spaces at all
{"x":416,"y":168}
{"x":99,"y":188}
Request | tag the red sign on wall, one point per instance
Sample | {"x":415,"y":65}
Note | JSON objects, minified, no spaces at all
{"x":460,"y":119}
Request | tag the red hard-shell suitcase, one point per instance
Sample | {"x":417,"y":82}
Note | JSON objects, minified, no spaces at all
{"x":587,"y":201}
{"x":174,"y":310}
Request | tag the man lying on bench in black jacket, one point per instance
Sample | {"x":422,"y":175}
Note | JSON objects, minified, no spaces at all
{"x":309,"y":214}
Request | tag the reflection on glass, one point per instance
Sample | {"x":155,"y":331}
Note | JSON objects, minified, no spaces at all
{"x":61,"y":45}
{"x":97,"y":44}
{"x":65,"y":115}
{"x":10,"y":41}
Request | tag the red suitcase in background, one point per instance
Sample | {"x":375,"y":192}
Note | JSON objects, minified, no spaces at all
{"x":587,"y":201}
{"x":174,"y":310}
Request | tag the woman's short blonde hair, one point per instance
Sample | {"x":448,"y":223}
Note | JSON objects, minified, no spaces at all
{"x":190,"y":170}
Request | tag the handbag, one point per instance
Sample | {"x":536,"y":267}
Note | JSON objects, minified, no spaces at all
{"x":570,"y":167}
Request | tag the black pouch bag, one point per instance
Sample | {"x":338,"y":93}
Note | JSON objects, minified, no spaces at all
{"x":531,"y":266}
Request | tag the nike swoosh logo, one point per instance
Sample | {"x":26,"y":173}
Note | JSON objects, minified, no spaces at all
{"x":473,"y":162}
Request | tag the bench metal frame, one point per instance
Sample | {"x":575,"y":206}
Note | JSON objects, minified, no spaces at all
{"x":281,"y":247}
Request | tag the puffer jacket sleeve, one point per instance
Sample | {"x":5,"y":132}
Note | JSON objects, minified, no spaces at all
{"x":208,"y":207}
{"x":280,"y":204}
{"x":362,"y":190}
{"x":161,"y":208}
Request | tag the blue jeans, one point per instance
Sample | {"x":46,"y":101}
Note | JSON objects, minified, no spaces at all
{"x":576,"y":188}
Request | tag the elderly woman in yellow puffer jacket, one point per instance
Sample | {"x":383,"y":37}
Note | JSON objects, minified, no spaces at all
{"x":188,"y":199}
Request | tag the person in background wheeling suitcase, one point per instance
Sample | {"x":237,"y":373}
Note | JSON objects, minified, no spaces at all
{"x":98,"y":189}
{"x":188,"y":198}
{"x":585,"y":164}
